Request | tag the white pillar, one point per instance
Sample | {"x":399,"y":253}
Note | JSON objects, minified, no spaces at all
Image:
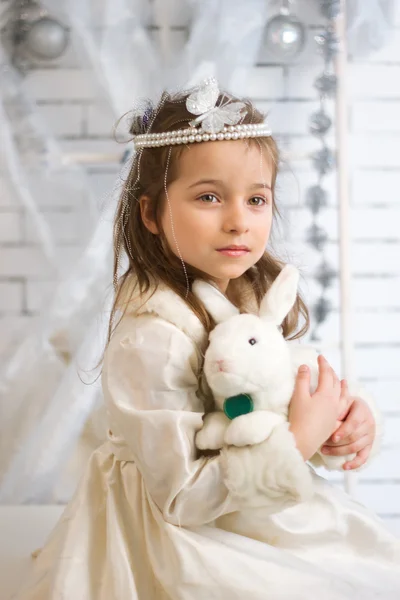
{"x":343,"y":181}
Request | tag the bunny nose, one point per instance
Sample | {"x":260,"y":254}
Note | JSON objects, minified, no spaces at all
{"x":220,"y":364}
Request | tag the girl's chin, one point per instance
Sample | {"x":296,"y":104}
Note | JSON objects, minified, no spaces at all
{"x":230,"y":273}
{"x":222,"y":274}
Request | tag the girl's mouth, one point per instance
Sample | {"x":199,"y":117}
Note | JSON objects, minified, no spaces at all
{"x":234,"y":250}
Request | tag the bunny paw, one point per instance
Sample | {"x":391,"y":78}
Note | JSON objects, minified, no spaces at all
{"x":211,"y":436}
{"x":252,"y":428}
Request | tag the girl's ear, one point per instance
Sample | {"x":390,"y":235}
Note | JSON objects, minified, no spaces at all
{"x":214,"y":301}
{"x":281,"y":296}
{"x":147,"y":215}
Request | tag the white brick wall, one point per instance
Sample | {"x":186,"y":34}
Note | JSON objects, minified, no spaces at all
{"x":62,"y":84}
{"x":68,"y":121}
{"x":375,"y":81}
{"x":74,"y":109}
{"x":376,"y":117}
{"x":11,"y":295}
{"x":376,"y":187}
{"x":10,"y":226}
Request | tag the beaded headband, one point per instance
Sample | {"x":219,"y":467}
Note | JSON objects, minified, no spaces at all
{"x":190,"y":135}
{"x":213,"y":123}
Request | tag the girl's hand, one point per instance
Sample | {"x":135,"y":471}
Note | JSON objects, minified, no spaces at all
{"x":355,"y":434}
{"x":314,"y":417}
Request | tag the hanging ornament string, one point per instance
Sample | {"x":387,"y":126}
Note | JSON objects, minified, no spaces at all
{"x":323,"y":160}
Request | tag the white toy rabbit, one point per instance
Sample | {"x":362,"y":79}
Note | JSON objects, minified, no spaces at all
{"x":251,"y":369}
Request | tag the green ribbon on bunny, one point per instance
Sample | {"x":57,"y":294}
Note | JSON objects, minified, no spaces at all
{"x":242,"y":404}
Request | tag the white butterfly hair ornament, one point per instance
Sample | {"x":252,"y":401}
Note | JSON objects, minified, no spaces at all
{"x":213,"y":118}
{"x":222,"y":121}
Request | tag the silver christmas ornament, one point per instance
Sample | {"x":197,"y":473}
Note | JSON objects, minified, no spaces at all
{"x":317,"y":237}
{"x":319,"y":123}
{"x":316,"y":198}
{"x":323,"y":160}
{"x":284,"y":36}
{"x":46,"y":39}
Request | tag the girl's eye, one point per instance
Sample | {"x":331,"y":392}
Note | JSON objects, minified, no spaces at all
{"x":252,"y":341}
{"x":257,"y":199}
{"x":208,"y":198}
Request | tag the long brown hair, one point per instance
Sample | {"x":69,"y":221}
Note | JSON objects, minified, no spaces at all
{"x":150,"y":260}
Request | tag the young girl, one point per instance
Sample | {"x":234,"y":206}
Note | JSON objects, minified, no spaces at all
{"x":144,"y":522}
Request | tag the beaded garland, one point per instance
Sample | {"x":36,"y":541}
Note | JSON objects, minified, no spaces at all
{"x":191,"y":135}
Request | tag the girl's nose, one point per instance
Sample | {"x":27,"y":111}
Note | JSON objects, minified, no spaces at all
{"x":220,"y":364}
{"x":236,"y":220}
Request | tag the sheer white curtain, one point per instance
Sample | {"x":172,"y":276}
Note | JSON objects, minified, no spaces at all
{"x":32,"y":170}
{"x":50,"y":418}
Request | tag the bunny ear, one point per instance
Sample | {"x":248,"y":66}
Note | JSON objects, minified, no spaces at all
{"x":214,"y":301}
{"x":281,"y":295}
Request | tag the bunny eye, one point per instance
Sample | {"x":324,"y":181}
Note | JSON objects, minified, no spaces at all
{"x":252,"y":341}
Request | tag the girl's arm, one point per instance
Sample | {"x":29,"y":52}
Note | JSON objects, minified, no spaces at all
{"x":150,"y":385}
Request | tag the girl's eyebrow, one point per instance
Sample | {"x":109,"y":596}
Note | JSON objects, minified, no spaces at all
{"x":202,"y":181}
{"x":219,"y":182}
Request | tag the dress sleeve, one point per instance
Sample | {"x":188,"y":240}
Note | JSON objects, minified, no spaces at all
{"x":150,"y":386}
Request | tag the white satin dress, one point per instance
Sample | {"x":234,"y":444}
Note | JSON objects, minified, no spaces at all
{"x":150,"y":520}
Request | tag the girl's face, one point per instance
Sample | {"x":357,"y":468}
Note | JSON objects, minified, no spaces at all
{"x":221,"y":198}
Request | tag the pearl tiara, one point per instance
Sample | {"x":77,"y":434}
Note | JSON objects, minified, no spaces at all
{"x":214,"y":122}
{"x":190,"y":135}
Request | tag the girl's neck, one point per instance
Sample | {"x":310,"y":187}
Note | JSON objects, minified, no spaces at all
{"x":233,"y":295}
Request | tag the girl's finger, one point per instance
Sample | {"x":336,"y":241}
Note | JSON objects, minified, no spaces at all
{"x":344,"y":399}
{"x":358,"y":460}
{"x":364,"y":429}
{"x":302,"y":385}
{"x":325,"y":376}
{"x":345,"y":406}
{"x":357,"y":446}
{"x":336,"y":381}
{"x":344,"y":388}
{"x":354,"y":420}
